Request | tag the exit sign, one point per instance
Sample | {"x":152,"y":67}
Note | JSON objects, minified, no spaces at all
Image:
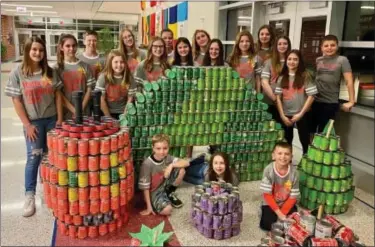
{"x":21,"y":9}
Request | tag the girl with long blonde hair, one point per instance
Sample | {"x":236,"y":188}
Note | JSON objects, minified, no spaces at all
{"x":200,"y":42}
{"x":243,"y":58}
{"x":133,"y":55}
{"x":117,"y":85}
{"x":156,"y":62}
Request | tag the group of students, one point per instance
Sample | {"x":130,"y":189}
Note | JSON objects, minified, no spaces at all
{"x":161,"y":174}
{"x":42,"y":96}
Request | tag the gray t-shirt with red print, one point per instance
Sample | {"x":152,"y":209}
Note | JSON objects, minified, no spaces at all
{"x":329,"y":72}
{"x":280,"y":186}
{"x":116,"y":95}
{"x":152,"y":172}
{"x":96,"y":63}
{"x":264,"y":55}
{"x":37,"y":92}
{"x":293,"y":99}
{"x":76,"y":76}
{"x":199,"y":60}
{"x":268,"y":72}
{"x":133,"y":62}
{"x":248,"y":69}
{"x":143,"y":75}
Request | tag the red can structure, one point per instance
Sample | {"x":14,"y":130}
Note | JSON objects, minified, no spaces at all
{"x":85,"y":209}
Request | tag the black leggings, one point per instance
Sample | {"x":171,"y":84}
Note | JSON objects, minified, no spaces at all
{"x":303,"y":132}
{"x":269,"y":217}
{"x":321,"y":113}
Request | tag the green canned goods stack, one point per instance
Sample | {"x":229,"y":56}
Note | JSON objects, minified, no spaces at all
{"x":205,"y":106}
{"x":325,"y":175}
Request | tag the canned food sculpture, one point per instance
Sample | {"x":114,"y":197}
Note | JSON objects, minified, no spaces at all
{"x":325,"y":175}
{"x":88,"y":176}
{"x":306,"y":231}
{"x":217,"y":210}
{"x":205,"y":106}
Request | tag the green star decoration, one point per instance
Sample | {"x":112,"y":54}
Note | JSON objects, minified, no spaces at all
{"x":152,"y":237}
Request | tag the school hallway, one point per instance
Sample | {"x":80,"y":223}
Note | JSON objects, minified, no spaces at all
{"x":38,"y":229}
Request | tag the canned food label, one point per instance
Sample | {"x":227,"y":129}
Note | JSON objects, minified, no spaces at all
{"x":298,"y":233}
{"x":323,"y":229}
{"x":318,"y":242}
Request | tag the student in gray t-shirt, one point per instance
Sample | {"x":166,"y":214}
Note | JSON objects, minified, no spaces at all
{"x":294,"y":95}
{"x":271,"y":70}
{"x":90,"y":55}
{"x":117,"y":85}
{"x":75,"y":74}
{"x":330,"y":69}
{"x":35,"y":91}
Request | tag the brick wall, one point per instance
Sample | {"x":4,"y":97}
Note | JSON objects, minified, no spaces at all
{"x":7,"y":37}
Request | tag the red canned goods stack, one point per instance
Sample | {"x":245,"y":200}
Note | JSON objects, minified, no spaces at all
{"x":328,"y":231}
{"x":88,"y":177}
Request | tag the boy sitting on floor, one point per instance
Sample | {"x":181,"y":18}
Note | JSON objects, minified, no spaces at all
{"x":280,"y":186}
{"x":159,"y":177}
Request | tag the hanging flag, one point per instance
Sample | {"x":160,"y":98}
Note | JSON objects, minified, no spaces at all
{"x":173,"y":14}
{"x":152,"y":25}
{"x":182,"y":11}
{"x":143,"y":5}
{"x":173,"y":28}
{"x":158,"y":22}
{"x":153,"y":3}
{"x":166,"y":18}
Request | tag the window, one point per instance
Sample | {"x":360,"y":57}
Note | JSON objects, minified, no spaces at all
{"x":281,"y":27}
{"x":227,"y":51}
{"x":238,"y":20}
{"x":29,"y":22}
{"x":359,"y":21}
{"x":60,"y":23}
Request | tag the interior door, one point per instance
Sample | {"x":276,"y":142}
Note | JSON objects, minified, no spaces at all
{"x":53,"y":41}
{"x":313,"y":30}
{"x":23,"y":36}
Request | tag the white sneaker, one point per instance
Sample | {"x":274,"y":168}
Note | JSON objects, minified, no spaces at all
{"x":29,"y":206}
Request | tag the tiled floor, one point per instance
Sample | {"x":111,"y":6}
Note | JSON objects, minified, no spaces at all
{"x":37,"y":230}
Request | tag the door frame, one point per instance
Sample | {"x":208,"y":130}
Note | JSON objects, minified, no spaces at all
{"x":48,"y":40}
{"x":17,"y":41}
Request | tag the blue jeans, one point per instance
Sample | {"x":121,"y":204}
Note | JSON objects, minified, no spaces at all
{"x":196,"y":170}
{"x":35,"y":150}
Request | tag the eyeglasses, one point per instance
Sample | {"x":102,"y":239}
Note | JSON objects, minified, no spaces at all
{"x":158,"y":46}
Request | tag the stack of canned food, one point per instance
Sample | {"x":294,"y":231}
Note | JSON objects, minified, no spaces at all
{"x":302,"y":229}
{"x":217,"y":210}
{"x":88,"y":182}
{"x":205,"y":106}
{"x":326,"y":176}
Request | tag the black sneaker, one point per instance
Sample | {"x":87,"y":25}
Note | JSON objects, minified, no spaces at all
{"x":176,"y":203}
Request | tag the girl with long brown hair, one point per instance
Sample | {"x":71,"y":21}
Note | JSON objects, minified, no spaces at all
{"x":271,"y":70}
{"x":117,"y":85}
{"x":219,"y":169}
{"x":75,"y":74}
{"x":200,"y":42}
{"x":156,"y":62}
{"x":215,"y":54}
{"x":35,"y":91}
{"x":243,"y":58}
{"x":133,"y":56}
{"x":294,"y":95}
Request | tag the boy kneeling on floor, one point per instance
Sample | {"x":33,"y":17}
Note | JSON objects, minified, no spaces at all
{"x":280,"y":186}
{"x":159,"y":177}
